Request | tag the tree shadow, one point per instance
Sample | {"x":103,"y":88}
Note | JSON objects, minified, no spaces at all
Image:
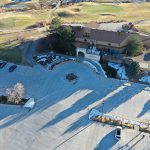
{"x":145,"y":108}
{"x":12,"y":115}
{"x":147,"y":57}
{"x":107,"y":142}
{"x":18,"y":113}
{"x":119,"y":98}
{"x":79,"y":105}
{"x":110,"y":104}
{"x":83,"y":103}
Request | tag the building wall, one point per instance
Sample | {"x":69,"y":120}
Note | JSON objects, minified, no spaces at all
{"x":101,"y":45}
{"x":86,"y":55}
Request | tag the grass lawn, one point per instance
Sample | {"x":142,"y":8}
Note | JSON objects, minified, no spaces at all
{"x":3,"y":2}
{"x":100,"y":9}
{"x":10,"y":53}
{"x":84,"y":12}
{"x":22,"y":20}
{"x":145,"y":27}
{"x":8,"y":37}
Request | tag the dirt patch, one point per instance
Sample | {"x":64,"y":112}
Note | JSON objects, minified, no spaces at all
{"x":108,"y":15}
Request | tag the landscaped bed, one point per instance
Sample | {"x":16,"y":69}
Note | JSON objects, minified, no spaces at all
{"x":4,"y":100}
{"x":71,"y":77}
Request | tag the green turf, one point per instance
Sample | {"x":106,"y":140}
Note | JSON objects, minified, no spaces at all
{"x":10,"y":53}
{"x":98,"y":9}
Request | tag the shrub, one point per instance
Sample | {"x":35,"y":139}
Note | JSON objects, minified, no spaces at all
{"x":55,"y":24}
{"x":133,"y":69}
{"x":71,"y":76}
{"x":135,"y":46}
{"x":3,"y":99}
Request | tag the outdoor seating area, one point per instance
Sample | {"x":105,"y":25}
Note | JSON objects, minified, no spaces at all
{"x":52,"y":60}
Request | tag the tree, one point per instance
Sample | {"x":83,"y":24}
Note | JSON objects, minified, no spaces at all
{"x":133,"y":69}
{"x":43,"y":3}
{"x":16,"y":93}
{"x":63,"y":37}
{"x":64,"y":40}
{"x":135,"y":46}
{"x":55,"y":24}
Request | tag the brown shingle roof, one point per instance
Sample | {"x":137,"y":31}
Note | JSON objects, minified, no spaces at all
{"x":102,"y":35}
{"x":92,"y":24}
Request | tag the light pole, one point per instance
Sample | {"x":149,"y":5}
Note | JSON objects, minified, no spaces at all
{"x":102,"y":107}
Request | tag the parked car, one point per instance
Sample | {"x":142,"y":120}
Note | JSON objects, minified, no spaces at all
{"x":2,"y":64}
{"x":130,"y":59}
{"x":12,"y":68}
{"x":118,"y":133}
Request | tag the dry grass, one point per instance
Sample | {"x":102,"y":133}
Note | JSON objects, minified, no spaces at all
{"x":3,"y":2}
{"x":85,"y":12}
{"x":92,"y":12}
{"x":21,"y":20}
{"x":145,"y":27}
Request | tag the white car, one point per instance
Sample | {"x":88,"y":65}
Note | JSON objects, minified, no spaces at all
{"x":118,"y":133}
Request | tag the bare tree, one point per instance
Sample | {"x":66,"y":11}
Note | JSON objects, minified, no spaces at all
{"x":16,"y":93}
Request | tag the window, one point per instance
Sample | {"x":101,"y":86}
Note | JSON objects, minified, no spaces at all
{"x":86,"y":34}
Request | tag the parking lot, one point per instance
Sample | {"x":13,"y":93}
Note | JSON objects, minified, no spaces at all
{"x":60,"y":117}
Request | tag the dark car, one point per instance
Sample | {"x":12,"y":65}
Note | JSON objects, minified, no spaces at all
{"x":2,"y":64}
{"x":12,"y":68}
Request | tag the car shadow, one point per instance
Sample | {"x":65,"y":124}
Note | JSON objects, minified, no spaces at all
{"x":107,"y":142}
{"x":147,"y":57}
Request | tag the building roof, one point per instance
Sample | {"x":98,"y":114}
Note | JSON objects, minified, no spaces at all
{"x":92,"y":24}
{"x":101,"y":35}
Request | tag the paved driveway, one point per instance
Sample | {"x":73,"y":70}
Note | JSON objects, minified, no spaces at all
{"x":60,"y":117}
{"x":144,"y":60}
